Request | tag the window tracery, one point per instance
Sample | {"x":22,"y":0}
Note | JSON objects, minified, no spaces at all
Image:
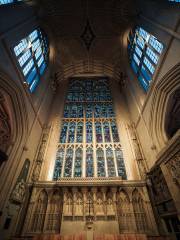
{"x":89,"y":119}
{"x":144,"y":53}
{"x":32,"y":55}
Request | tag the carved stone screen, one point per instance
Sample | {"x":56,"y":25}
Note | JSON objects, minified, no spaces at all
{"x":89,"y":143}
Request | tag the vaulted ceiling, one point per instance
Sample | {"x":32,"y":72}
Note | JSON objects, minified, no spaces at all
{"x":88,"y":34}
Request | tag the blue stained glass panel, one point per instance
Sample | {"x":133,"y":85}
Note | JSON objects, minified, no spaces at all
{"x":110,"y":163}
{"x":100,"y":163}
{"x":58,"y":164}
{"x":64,"y":132}
{"x":107,"y":136}
{"x":68,"y":163}
{"x":78,"y":163}
{"x":79,"y":134}
{"x":71,"y":132}
{"x":89,"y":110}
{"x":98,"y":132}
{"x":89,"y":163}
{"x":115,"y":134}
{"x":88,"y":132}
{"x":120,"y":163}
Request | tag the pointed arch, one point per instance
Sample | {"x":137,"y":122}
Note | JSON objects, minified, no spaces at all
{"x":17,"y":125}
{"x":53,"y":215}
{"x":162,"y":92}
{"x":39,"y":212}
{"x":139,"y":211}
{"x":124,"y":211}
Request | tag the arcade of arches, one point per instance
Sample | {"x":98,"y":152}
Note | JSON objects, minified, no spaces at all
{"x":89,"y":119}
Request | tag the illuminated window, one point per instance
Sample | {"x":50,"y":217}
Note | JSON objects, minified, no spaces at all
{"x":89,"y":143}
{"x":144,"y":53}
{"x":8,"y":1}
{"x":32,"y":55}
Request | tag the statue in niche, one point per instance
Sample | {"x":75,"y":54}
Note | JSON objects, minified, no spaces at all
{"x":79,"y":207}
{"x":19,"y":191}
{"x":68,"y":206}
{"x":110,"y":207}
{"x":174,"y":168}
{"x":99,"y":206}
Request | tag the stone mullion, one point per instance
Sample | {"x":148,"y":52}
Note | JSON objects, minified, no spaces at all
{"x":64,"y":160}
{"x":74,"y":155}
{"x":104,"y":149}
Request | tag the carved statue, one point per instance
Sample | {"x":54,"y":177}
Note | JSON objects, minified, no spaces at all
{"x":174,"y":167}
{"x":110,"y":208}
{"x":19,"y":191}
{"x":40,"y":156}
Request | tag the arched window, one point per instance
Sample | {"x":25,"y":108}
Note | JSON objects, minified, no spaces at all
{"x":139,"y":212}
{"x":124,"y":212}
{"x":110,"y":163}
{"x":100,"y":163}
{"x":78,"y":163}
{"x":53,"y":215}
{"x":39,"y":212}
{"x":144,"y":53}
{"x":89,"y":123}
{"x":9,"y":1}
{"x":32,"y":55}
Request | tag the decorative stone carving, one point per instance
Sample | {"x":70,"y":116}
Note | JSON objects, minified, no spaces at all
{"x":174,"y":167}
{"x":137,"y":151}
{"x":40,"y":156}
{"x":5,"y":132}
{"x":19,"y":192}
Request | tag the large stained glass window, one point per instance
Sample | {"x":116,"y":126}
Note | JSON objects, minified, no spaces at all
{"x":89,"y":143}
{"x":144,"y":53}
{"x":32,"y":55}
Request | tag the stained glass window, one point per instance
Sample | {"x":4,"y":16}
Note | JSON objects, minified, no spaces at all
{"x":68,"y":163}
{"x":59,"y":163}
{"x":110,"y":163}
{"x":107,"y":136}
{"x":9,"y":1}
{"x":88,"y":132}
{"x":120,"y":163}
{"x":98,"y":132}
{"x":79,"y":135}
{"x":78,"y":163}
{"x":32,"y":55}
{"x":89,"y":163}
{"x":144,"y":53}
{"x":100,"y":163}
{"x":89,"y":126}
{"x":115,"y":134}
{"x":72,"y":127}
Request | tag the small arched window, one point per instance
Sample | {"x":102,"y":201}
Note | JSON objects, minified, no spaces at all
{"x":32,"y":55}
{"x":144,"y":52}
{"x":2,"y":2}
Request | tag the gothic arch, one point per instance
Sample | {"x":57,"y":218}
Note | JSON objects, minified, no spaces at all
{"x":16,"y":110}
{"x":39,"y":212}
{"x":163,"y":91}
